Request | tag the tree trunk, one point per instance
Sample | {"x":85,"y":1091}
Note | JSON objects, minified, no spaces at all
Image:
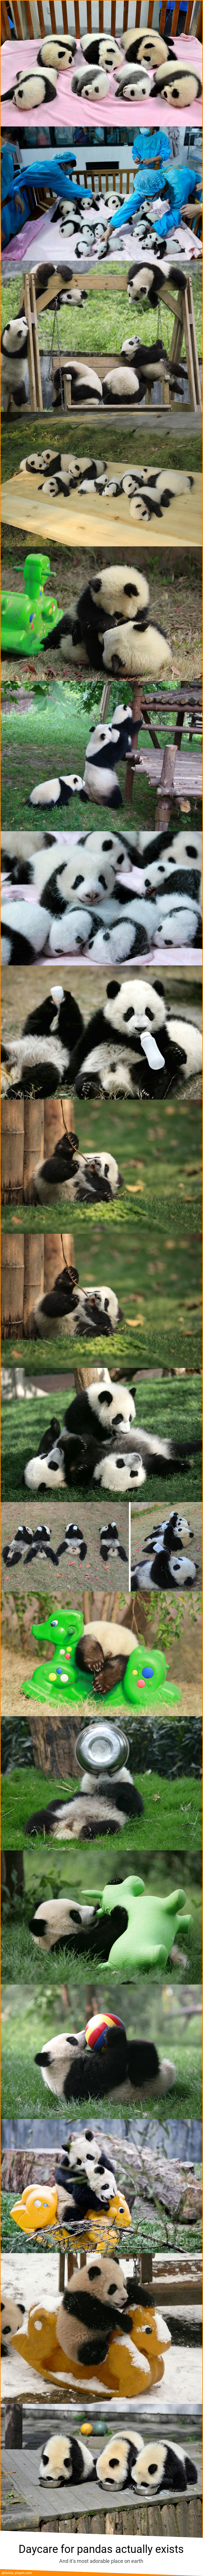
{"x":53,"y":1739}
{"x":14,"y":2425}
{"x":12,"y":1285}
{"x":86,"y":1377}
{"x":53,"y":1257}
{"x":12,"y":1873}
{"x":33,"y":1142}
{"x":33,"y":1246}
{"x":58,"y":1115}
{"x":12,"y":1137}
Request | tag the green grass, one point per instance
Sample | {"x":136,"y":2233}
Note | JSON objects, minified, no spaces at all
{"x":99,"y":327}
{"x":55,"y":737}
{"x":172,"y":1407}
{"x":83,"y":1876}
{"x":23,"y":2091}
{"x":23,"y":1791}
{"x":157,"y":1148}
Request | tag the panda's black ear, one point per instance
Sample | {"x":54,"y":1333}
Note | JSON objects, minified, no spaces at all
{"x":159,"y":987}
{"x":111,"y":990}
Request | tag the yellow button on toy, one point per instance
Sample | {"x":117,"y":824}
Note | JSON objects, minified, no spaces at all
{"x":36,"y":2209}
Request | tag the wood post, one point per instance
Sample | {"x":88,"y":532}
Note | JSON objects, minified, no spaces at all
{"x":33,"y":1142}
{"x":30,"y":309}
{"x":58,"y":1116}
{"x":136,"y":709}
{"x":32,"y":1280}
{"x":54,"y":1261}
{"x":12,"y":1286}
{"x":165,"y":791}
{"x":184,"y":328}
{"x":12,"y":1145}
{"x":14,"y":2425}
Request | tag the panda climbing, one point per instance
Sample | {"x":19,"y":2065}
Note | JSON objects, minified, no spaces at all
{"x":15,"y":383}
{"x":164,"y":1565}
{"x":133,"y":1025}
{"x":65,"y":2461}
{"x":145,"y":279}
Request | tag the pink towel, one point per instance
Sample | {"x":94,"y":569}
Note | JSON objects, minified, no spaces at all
{"x":65,"y":109}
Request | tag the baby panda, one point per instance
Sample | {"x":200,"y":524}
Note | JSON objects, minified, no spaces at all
{"x":14,"y":363}
{"x":100,"y":1806}
{"x":100,"y":776}
{"x":102,"y":50}
{"x":178,"y":921}
{"x":91,"y":2311}
{"x":71,"y":2068}
{"x":75,"y":1176}
{"x":93,"y":1310}
{"x":73,"y":1543}
{"x":133,"y":1024}
{"x":132,"y":82}
{"x":135,"y":649}
{"x":114,"y":2466}
{"x":177,"y":82}
{"x":123,"y":385}
{"x":164,"y":1565}
{"x":103,"y":1650}
{"x":11,"y":2312}
{"x":24,"y":932}
{"x":36,"y":86}
{"x":145,"y":279}
{"x":86,"y":386}
{"x":65,"y":2461}
{"x":40,"y":1059}
{"x":29,"y":1543}
{"x":83,"y":2153}
{"x":163,"y":2467}
{"x":119,"y":591}
{"x":110,"y":1543}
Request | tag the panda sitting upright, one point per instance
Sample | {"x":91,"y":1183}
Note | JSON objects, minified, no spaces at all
{"x":134,"y":1046}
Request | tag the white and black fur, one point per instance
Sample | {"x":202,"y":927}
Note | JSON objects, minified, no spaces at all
{"x":74,"y":1311}
{"x":159,"y":2467}
{"x":74,"y":1176}
{"x":145,"y":279}
{"x":40,"y":1059}
{"x":94,"y":2307}
{"x":36,"y":86}
{"x":115,"y":2463}
{"x":101,"y":1442}
{"x":100,"y":1806}
{"x":65,"y":2461}
{"x":163,"y":2466}
{"x":71,"y":2070}
{"x":29,"y":1543}
{"x":110,"y":1543}
{"x":134,"y":1024}
{"x":164,"y":1565}
{"x":14,"y":367}
{"x":73,"y":1543}
{"x":11,"y":2312}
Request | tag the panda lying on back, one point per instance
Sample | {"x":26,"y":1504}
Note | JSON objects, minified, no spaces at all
{"x":133,"y":1046}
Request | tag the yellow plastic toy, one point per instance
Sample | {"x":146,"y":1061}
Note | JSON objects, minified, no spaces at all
{"x":41,"y":2209}
{"x":133,"y":2366}
{"x":36,"y":2209}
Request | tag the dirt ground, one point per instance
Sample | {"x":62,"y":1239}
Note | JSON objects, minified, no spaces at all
{"x":71,"y":1574}
{"x":175,"y":596}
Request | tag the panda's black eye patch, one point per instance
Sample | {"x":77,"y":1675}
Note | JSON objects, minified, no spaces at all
{"x":45,"y":2457}
{"x":75,"y":1914}
{"x":111,"y":2291}
{"x":77,"y":881}
{"x":149,"y":1015}
{"x":129,"y":1015}
{"x":152,"y":2469}
{"x":114,"y":2461}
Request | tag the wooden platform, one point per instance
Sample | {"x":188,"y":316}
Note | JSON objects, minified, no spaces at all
{"x":84,"y":523}
{"x":21,"y":2469}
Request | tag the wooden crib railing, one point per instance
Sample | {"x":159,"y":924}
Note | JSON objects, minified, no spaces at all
{"x":116,"y":19}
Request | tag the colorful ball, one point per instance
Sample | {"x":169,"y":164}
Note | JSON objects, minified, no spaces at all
{"x":97,"y":2030}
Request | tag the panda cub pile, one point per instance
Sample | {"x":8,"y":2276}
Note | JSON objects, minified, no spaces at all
{"x":137,"y":61}
{"x":164,"y":1565}
{"x":101,"y":1443}
{"x":119,"y":894}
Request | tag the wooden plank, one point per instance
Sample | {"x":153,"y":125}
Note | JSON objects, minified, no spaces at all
{"x":24,"y":505}
{"x":26,"y":2465}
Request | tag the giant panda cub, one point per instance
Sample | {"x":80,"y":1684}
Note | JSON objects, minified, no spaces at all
{"x":36,"y":86}
{"x":157,"y":2468}
{"x":75,"y":1176}
{"x":100,"y":1806}
{"x":163,"y":1564}
{"x":119,"y":591}
{"x":114,"y":2466}
{"x":177,"y":82}
{"x":133,"y":1024}
{"x":92,"y":2310}
{"x":92,"y":1310}
{"x":146,"y":277}
{"x":39,"y":1060}
{"x":163,"y":2467}
{"x":11,"y":2312}
{"x":71,"y":2068}
{"x":83,"y":2153}
{"x":65,"y":2461}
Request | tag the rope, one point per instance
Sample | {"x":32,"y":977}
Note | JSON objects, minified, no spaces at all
{"x":59,"y":352}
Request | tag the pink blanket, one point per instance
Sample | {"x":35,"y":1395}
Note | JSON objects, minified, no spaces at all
{"x":65,"y":109}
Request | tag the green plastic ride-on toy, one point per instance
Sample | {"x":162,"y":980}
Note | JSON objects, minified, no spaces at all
{"x":28,"y":617}
{"x":144,"y":1679}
